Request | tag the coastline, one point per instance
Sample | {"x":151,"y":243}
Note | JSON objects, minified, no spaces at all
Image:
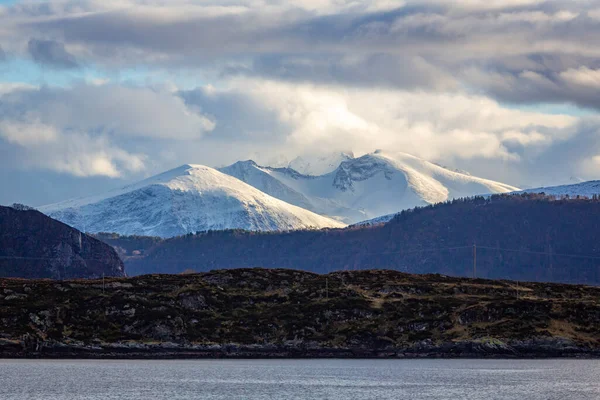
{"x":534,"y":349}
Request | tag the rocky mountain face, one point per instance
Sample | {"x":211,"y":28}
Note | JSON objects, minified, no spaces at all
{"x":33,"y":245}
{"x":287,"y":313}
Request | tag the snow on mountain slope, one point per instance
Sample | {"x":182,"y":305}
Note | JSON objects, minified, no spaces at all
{"x":587,"y":189}
{"x":186,"y":199}
{"x":376,"y":221}
{"x":370,"y":186}
{"x":319,"y":165}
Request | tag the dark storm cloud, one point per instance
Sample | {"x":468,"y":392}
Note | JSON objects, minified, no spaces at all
{"x":383,"y":70}
{"x":51,"y":53}
{"x":422,"y":45}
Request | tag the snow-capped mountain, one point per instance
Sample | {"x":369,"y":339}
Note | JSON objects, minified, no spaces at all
{"x":586,"y":189}
{"x":366,"y":187}
{"x":186,"y":199}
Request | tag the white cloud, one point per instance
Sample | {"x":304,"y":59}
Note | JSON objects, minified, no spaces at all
{"x":430,"y":125}
{"x":74,"y":153}
{"x":24,"y":134}
{"x":582,"y":76}
{"x":81,"y":155}
{"x":118,"y":109}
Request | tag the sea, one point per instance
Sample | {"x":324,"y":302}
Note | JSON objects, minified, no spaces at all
{"x":300,"y":379}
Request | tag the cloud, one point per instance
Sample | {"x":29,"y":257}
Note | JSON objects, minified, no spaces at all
{"x":413,"y":44}
{"x":492,"y":47}
{"x":450,"y":81}
{"x":99,"y":129}
{"x":52,"y":53}
{"x":305,"y":118}
{"x":576,"y":85}
{"x":78,"y":154}
{"x":109,"y":109}
{"x":359,"y":70}
{"x":582,"y":76}
{"x":25,"y":134}
{"x":123,"y":131}
{"x":2,"y":54}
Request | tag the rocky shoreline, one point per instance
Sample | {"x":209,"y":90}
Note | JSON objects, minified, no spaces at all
{"x":535,"y":349}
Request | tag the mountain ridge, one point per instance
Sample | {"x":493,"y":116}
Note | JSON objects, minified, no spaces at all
{"x":366,"y":187}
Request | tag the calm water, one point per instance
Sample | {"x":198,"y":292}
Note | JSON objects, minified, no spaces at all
{"x":304,"y":379}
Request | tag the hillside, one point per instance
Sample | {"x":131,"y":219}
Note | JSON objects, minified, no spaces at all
{"x":588,"y":189}
{"x":285,"y":313}
{"x":524,"y":237}
{"x":366,"y":187}
{"x":35,"y":246}
{"x":186,"y":199}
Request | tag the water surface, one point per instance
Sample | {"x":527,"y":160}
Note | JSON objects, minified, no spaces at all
{"x":301,"y":379}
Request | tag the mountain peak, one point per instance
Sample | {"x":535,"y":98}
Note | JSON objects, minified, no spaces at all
{"x":246,"y":163}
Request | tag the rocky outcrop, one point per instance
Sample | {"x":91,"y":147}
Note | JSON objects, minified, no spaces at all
{"x":33,"y":245}
{"x":287,"y":313}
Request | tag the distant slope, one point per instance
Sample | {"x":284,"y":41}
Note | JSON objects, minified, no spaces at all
{"x":520,"y":237}
{"x":366,"y":187}
{"x":376,"y":221}
{"x":35,"y":246}
{"x":587,"y":189}
{"x":583,"y":189}
{"x":186,"y":199}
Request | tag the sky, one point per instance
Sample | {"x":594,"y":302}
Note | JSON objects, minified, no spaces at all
{"x":95,"y":94}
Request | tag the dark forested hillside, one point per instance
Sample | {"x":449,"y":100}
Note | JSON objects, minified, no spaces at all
{"x":33,"y":245}
{"x":524,"y":237}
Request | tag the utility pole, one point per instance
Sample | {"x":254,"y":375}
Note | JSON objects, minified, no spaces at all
{"x":474,"y":260}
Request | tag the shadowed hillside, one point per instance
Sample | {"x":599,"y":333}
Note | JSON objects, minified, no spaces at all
{"x":522,"y":237}
{"x":33,"y":245}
